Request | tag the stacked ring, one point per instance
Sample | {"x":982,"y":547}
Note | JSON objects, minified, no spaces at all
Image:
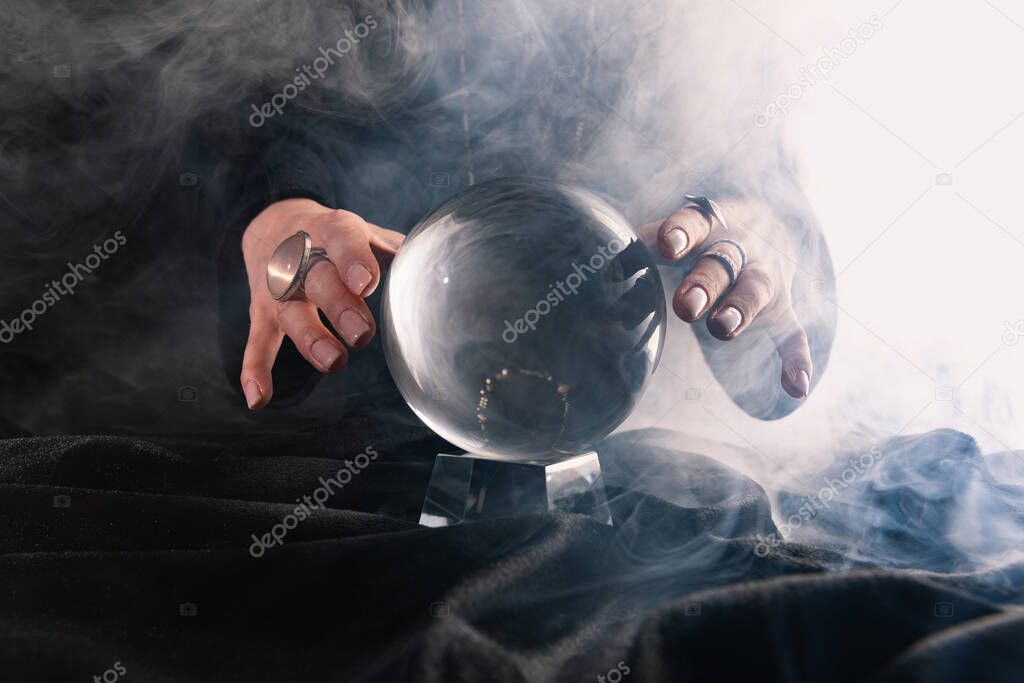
{"x":707,"y":207}
{"x":723,"y":256}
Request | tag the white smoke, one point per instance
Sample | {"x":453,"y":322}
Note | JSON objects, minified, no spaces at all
{"x":906,"y":153}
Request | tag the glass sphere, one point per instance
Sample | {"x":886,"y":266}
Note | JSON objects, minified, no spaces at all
{"x":523,"y":319}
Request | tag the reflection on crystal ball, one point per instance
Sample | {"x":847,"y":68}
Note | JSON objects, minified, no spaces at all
{"x":522,"y":319}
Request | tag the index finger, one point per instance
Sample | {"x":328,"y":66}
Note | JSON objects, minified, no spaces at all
{"x":344,"y":236}
{"x":682,"y":231}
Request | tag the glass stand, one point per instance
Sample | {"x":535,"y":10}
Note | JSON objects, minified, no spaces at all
{"x":471,"y":487}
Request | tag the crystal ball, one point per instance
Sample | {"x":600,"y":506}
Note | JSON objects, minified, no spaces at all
{"x":523,"y":319}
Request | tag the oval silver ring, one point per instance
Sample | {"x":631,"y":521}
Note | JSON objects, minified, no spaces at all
{"x":287,"y":268}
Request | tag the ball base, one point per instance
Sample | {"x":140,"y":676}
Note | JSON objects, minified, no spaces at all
{"x":468,"y":487}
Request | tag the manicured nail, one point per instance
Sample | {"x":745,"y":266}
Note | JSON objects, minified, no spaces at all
{"x":800,"y":384}
{"x":693,"y":302}
{"x":357,"y":278}
{"x":677,"y":240}
{"x":729,"y":318}
{"x":803,"y":383}
{"x":325,"y":353}
{"x":252,"y":393}
{"x":352,"y":326}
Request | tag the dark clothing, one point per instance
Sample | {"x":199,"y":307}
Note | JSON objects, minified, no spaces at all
{"x":137,"y":553}
{"x":485,"y":104}
{"x":141,"y":552}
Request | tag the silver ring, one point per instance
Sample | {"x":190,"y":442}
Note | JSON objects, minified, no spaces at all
{"x":291,"y":261}
{"x":739,"y":248}
{"x":732,"y":269}
{"x":707,"y":207}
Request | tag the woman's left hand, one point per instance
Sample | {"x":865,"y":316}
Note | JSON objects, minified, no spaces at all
{"x":760,"y":296}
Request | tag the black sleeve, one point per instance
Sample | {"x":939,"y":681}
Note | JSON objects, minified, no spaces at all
{"x":282,"y":158}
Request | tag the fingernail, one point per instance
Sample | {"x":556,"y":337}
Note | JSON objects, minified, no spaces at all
{"x":803,"y":383}
{"x":677,"y":240}
{"x":353,"y":326}
{"x":252,"y":393}
{"x":357,"y":278}
{"x":728,"y":319}
{"x":325,"y":353}
{"x":693,"y":302}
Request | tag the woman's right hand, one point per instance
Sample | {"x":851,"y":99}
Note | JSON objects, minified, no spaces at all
{"x":338,"y":288}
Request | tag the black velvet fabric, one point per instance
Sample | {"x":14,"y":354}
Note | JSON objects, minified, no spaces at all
{"x":137,"y":552}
